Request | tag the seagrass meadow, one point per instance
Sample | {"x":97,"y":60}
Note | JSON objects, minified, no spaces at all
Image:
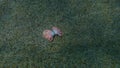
{"x":91,"y":34}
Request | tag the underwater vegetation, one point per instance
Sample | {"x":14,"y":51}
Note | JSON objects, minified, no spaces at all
{"x":91,"y":36}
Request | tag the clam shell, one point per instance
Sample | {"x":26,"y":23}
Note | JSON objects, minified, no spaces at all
{"x":57,"y":31}
{"x":47,"y":34}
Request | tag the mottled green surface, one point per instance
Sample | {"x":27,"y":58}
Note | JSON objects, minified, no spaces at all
{"x":91,"y":34}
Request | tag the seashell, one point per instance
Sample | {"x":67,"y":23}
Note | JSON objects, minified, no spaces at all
{"x":57,"y":31}
{"x":48,"y":34}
